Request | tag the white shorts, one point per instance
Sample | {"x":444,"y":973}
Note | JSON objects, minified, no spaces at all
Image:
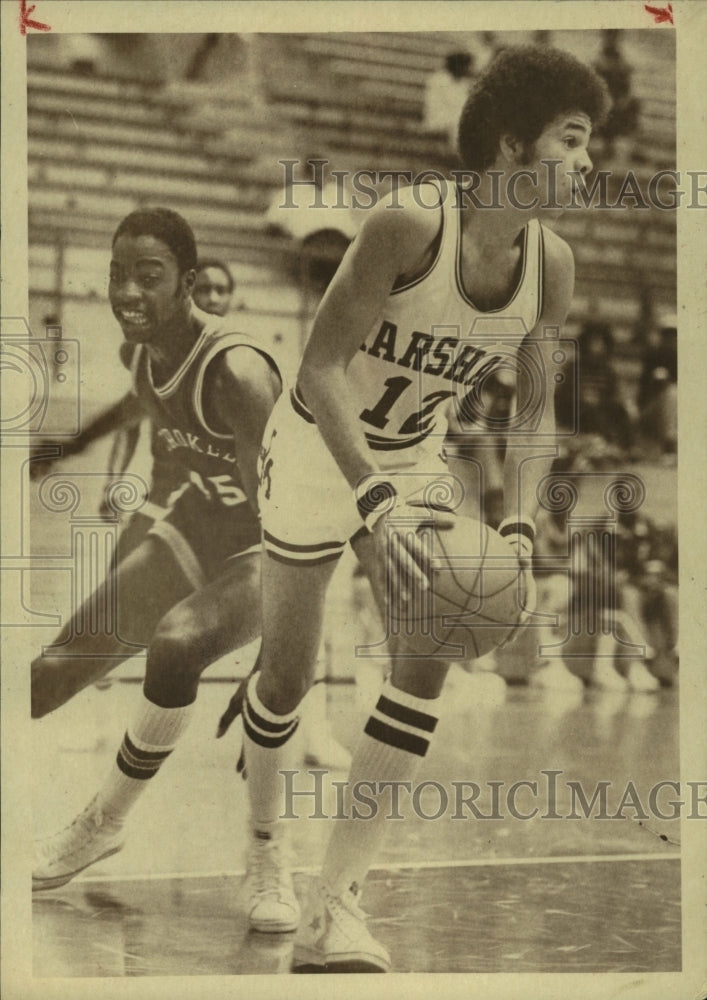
{"x":307,"y":507}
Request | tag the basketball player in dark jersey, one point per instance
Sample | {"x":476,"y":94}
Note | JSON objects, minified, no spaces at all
{"x":190,"y":590}
{"x":213,"y":292}
{"x":397,"y":330}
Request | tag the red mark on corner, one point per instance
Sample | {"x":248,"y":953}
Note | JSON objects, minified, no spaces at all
{"x":25,"y":20}
{"x":662,"y":15}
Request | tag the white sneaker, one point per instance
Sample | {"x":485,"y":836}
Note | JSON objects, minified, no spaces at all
{"x":640,"y":678}
{"x":92,"y":836}
{"x":556,"y":676}
{"x":605,"y":676}
{"x":333,"y":937}
{"x":272,"y":905}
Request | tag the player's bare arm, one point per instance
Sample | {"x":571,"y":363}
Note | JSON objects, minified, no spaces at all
{"x":529,"y":457}
{"x":126,"y":412}
{"x":244,"y":388}
{"x":393,"y":244}
{"x":537,"y":445}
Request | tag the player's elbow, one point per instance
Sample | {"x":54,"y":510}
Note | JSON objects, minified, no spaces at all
{"x":307,"y":379}
{"x":315,"y":377}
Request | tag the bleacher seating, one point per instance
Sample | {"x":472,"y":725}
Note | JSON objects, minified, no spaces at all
{"x":100,"y":147}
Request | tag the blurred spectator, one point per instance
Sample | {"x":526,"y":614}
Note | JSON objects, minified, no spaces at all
{"x":491,"y":45}
{"x":446,"y":92}
{"x":657,"y":389}
{"x":234,"y":64}
{"x":622,"y":120}
{"x":83,"y":54}
{"x":647,"y":576}
{"x":214,"y":286}
{"x":601,"y":614}
{"x":203,"y":52}
{"x":210,"y":80}
{"x":314,"y":209}
{"x":589,"y":395}
{"x":616,"y":595}
{"x":542,"y":37}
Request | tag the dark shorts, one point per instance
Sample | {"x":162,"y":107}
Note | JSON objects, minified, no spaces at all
{"x":204,"y":534}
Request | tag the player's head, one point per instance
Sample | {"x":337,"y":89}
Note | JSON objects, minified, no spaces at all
{"x":214,"y":286}
{"x":459,"y":64}
{"x":523,"y":91}
{"x":596,"y":341}
{"x":152,"y":272}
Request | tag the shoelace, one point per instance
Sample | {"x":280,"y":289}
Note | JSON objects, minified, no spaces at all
{"x":61,"y":844}
{"x":267,"y":868}
{"x":342,"y":908}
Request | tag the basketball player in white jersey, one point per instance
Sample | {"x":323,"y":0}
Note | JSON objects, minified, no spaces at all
{"x":190,"y":590}
{"x":392,"y":345}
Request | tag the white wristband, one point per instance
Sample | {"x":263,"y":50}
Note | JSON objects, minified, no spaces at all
{"x":375,"y":501}
{"x":519,"y":531}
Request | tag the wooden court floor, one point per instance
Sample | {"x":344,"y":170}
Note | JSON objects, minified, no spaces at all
{"x":501,"y":894}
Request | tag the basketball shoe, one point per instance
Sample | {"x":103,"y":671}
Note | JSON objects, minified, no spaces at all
{"x":640,"y":678}
{"x":333,"y":936}
{"x":606,"y":677}
{"x":92,"y":836}
{"x":272,"y":905}
{"x":555,"y":675}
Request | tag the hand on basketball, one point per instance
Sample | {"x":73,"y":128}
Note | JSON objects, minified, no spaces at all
{"x":403,"y":554}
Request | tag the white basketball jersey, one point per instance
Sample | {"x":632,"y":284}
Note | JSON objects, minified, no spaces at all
{"x":432,"y":347}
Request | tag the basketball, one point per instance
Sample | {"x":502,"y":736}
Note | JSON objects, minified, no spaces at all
{"x":475,"y":599}
{"x":269,"y":318}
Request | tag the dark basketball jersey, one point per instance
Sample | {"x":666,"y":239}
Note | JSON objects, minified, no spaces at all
{"x":185,"y":435}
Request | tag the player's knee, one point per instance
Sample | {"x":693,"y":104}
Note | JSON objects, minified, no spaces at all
{"x":43,"y":688}
{"x":177,"y":651}
{"x":282,"y":691}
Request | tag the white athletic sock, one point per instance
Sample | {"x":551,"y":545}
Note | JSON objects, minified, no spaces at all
{"x":267,"y":741}
{"x":395,"y":740}
{"x":148,"y":741}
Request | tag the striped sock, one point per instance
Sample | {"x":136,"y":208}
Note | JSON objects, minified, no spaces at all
{"x":395,"y":740}
{"x":267,"y":740}
{"x":147,"y":743}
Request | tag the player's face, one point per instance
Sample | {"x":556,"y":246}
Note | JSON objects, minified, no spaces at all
{"x":565,"y":139}
{"x":146,"y":291}
{"x":212,"y":291}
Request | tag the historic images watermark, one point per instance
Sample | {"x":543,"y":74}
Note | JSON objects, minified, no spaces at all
{"x":549,"y":797}
{"x":665,"y":190}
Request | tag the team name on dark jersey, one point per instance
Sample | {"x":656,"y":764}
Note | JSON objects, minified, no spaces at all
{"x":174,"y":438}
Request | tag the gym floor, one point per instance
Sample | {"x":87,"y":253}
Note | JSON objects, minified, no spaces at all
{"x":502,"y":894}
{"x":491,"y":895}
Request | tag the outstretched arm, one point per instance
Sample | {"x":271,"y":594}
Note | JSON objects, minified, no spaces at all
{"x":529,"y":455}
{"x":127,"y":412}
